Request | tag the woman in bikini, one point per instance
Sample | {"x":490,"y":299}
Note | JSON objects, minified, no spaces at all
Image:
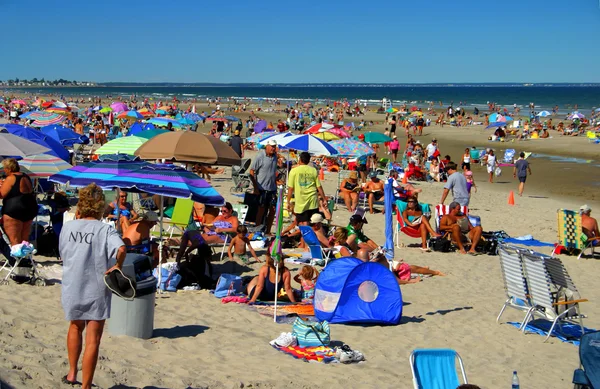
{"x":413,"y":217}
{"x":121,"y":213}
{"x":223,"y":224}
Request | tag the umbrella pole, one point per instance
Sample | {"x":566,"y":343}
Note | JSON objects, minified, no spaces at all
{"x":276,"y":289}
{"x":160,"y":244}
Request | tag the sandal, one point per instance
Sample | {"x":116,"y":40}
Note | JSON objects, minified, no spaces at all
{"x":65,"y":381}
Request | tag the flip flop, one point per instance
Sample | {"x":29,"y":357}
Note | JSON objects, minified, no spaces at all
{"x":473,"y":254}
{"x":65,"y":381}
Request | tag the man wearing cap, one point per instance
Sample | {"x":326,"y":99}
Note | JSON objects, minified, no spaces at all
{"x":458,"y":224}
{"x":457,"y":183}
{"x":589,"y":225}
{"x":520,"y":171}
{"x":263,"y":174}
{"x":374,"y":190}
{"x":357,"y":240}
{"x":304,"y":184}
{"x":349,"y":189}
{"x":237,"y":143}
{"x":316,"y":223}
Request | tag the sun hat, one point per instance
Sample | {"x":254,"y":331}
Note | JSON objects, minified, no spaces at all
{"x":145,"y":215}
{"x":584,"y":208}
{"x":316,"y":218}
{"x":120,"y":284}
{"x":353,"y":175}
{"x":271,"y":143}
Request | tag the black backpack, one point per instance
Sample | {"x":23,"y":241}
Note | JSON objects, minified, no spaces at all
{"x":47,"y":243}
{"x":440,"y":244}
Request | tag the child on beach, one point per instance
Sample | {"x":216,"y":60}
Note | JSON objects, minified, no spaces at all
{"x":238,"y":244}
{"x":470,"y":182}
{"x":308,"y":279}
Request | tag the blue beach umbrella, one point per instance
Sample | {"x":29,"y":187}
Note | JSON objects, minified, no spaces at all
{"x":544,"y":114}
{"x":256,"y":138}
{"x":135,"y":129}
{"x":161,"y":112}
{"x":388,"y":199}
{"x":309,"y":143}
{"x":64,"y":135}
{"x":96,"y":172}
{"x":496,"y":125}
{"x":194,"y":117}
{"x":186,"y":122}
{"x":232,"y":118}
{"x":164,"y":122}
{"x":41,"y":139}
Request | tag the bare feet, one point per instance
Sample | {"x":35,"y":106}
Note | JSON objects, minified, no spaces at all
{"x":439,"y":273}
{"x":463,"y":251}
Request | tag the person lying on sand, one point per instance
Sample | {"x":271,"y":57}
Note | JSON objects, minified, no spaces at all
{"x":403,"y":272}
{"x":458,"y":224}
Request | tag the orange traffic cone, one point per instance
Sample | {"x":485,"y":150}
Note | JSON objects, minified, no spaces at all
{"x":321,"y":174}
{"x":404,"y":179}
{"x":511,"y":198}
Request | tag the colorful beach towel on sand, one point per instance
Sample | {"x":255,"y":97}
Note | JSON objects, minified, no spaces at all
{"x":321,"y":354}
{"x":286,"y":313}
{"x":570,"y":333}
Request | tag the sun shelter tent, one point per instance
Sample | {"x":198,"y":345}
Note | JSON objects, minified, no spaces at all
{"x":352,"y":291}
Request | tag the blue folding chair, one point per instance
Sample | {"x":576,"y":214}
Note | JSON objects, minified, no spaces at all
{"x":436,"y":369}
{"x":318,"y":254}
{"x":588,"y":375}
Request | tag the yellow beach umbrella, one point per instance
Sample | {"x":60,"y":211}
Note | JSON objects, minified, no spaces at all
{"x":326,"y":136}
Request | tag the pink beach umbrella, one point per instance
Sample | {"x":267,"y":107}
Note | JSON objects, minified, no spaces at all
{"x":338,"y":132}
{"x":118,"y":106}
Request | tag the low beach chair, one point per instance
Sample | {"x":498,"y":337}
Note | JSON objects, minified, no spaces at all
{"x":436,"y":369}
{"x":401,"y":225}
{"x":544,"y":301}
{"x":515,"y":283}
{"x":570,"y":233}
{"x":241,"y":211}
{"x":318,"y":253}
{"x":588,"y":374}
{"x":182,"y":216}
{"x":592,"y":137}
{"x":342,"y":175}
{"x":509,"y":157}
{"x":443,"y":209}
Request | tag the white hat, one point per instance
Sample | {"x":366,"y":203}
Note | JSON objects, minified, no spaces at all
{"x":584,"y":208}
{"x":316,"y":218}
{"x":271,"y":143}
{"x":148,"y":216}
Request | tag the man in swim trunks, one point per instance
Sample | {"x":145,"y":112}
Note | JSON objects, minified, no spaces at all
{"x":589,"y":225}
{"x":458,"y":224}
{"x":374,"y":190}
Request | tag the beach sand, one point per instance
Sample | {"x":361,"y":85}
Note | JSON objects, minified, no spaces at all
{"x":200,"y":342}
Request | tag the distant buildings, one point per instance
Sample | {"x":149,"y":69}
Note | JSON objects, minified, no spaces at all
{"x":45,"y":83}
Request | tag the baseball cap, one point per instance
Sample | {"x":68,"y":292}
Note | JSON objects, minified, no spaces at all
{"x":316,"y":218}
{"x":271,"y":143}
{"x":373,"y":174}
{"x":358,"y":218}
{"x":584,"y":208}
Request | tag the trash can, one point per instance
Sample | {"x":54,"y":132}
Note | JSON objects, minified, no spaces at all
{"x":135,"y":318}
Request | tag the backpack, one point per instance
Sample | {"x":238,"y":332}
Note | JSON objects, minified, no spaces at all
{"x":47,"y":243}
{"x":440,"y":244}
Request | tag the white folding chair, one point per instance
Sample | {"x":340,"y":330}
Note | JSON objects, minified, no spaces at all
{"x":515,"y":283}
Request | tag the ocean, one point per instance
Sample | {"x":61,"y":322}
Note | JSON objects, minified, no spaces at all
{"x":545,"y":97}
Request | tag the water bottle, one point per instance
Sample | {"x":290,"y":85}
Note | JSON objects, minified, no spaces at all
{"x":515,"y":381}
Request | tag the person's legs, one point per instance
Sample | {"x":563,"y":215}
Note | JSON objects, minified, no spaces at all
{"x":425,"y":221}
{"x":371,"y":198}
{"x":491,"y":177}
{"x":347,"y":200}
{"x":74,"y":345}
{"x":521,"y":188}
{"x":13,"y":229}
{"x":423,"y":231}
{"x":457,"y":238}
{"x":425,"y":270}
{"x":475,"y":236}
{"x":93,"y":335}
{"x":26,"y":230}
{"x":270,"y":218}
{"x":212,"y":239}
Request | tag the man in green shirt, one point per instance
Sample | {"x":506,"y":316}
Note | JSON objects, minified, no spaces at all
{"x":357,"y":240}
{"x":304,"y":184}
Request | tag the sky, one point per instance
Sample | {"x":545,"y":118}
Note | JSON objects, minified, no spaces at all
{"x":326,"y":41}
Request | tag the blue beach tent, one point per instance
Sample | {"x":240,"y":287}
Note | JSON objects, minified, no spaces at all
{"x":352,"y":291}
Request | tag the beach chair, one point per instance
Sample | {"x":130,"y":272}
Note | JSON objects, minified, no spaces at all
{"x":588,"y":374}
{"x":241,"y":212}
{"x":443,"y":209}
{"x":436,"y":369}
{"x":318,"y":253}
{"x":182,"y":215}
{"x":342,"y":175}
{"x":401,"y":225}
{"x":509,"y":157}
{"x":592,"y":137}
{"x":570,"y":233}
{"x":544,"y":301}
{"x":515,"y":283}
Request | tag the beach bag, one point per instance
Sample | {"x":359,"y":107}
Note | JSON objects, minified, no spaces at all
{"x":311,"y":334}
{"x":47,"y":243}
{"x":228,"y":285}
{"x":440,"y":244}
{"x":169,"y":278}
{"x":498,"y":172}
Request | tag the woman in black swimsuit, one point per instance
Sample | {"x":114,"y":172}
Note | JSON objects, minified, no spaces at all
{"x":262,"y":287}
{"x":19,"y":206}
{"x":349,"y":189}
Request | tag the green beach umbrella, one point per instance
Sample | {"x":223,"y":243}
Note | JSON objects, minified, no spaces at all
{"x":149,"y":134}
{"x":105,"y":110}
{"x":376,"y":137}
{"x":127,"y":145}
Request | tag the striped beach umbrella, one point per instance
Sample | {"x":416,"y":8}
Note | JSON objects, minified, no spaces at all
{"x":326,"y":136}
{"x":95,"y":172}
{"x":164,"y":122}
{"x":59,"y":110}
{"x":351,"y":148}
{"x":277,"y":137}
{"x":44,"y":118}
{"x":43,"y":165}
{"x":126,"y":145}
{"x":276,"y":248}
{"x":146,"y":112}
{"x":257,"y":138}
{"x":130,"y":115}
{"x":309,"y":143}
{"x":59,"y":104}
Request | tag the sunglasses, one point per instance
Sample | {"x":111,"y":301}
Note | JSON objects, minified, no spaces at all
{"x":411,"y":201}
{"x":224,"y":210}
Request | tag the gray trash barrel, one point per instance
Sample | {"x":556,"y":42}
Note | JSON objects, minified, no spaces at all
{"x":135,"y":318}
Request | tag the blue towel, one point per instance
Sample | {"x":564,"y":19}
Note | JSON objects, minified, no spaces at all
{"x":570,"y":333}
{"x":528,"y":242}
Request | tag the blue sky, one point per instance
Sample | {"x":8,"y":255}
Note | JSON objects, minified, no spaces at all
{"x":303,"y":41}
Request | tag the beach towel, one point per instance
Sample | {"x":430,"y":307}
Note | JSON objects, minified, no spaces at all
{"x":321,"y":354}
{"x":528,"y":240}
{"x":286,"y":312}
{"x":569,"y":333}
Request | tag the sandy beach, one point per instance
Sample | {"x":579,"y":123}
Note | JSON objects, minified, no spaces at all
{"x":201,"y":343}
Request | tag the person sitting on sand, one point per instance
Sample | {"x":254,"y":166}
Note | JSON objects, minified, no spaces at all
{"x":316,"y":224}
{"x":403,"y":272}
{"x":357,"y":240}
{"x":341,"y":247}
{"x":374,"y":190}
{"x":458,"y":224}
{"x":238,"y":246}
{"x":544,"y":134}
{"x":589,"y":225}
{"x":413,"y":217}
{"x":349,"y":190}
{"x":262,"y":287}
{"x":307,"y":278}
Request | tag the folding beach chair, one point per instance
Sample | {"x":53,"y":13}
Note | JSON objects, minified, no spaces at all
{"x":318,"y":253}
{"x":241,"y":211}
{"x":515,"y":282}
{"x":443,"y":209}
{"x":342,"y":175}
{"x":570,"y":233}
{"x":436,"y":369}
{"x":509,"y":156}
{"x":588,"y":375}
{"x":401,"y":225}
{"x":182,"y":215}
{"x":540,"y":283}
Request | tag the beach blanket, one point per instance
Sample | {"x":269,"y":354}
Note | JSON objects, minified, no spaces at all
{"x":570,"y":333}
{"x":286,"y":312}
{"x":321,"y":354}
{"x":528,"y":241}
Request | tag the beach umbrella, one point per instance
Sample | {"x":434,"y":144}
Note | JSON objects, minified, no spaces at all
{"x":544,"y":114}
{"x":326,"y":136}
{"x":277,"y":137}
{"x":18,"y":102}
{"x":340,"y":133}
{"x":186,"y":122}
{"x":43,"y":165}
{"x":388,"y":203}
{"x":276,"y":251}
{"x":256,"y":138}
{"x":161,"y":112}
{"x":130,"y":115}
{"x":189,"y":146}
{"x":106,"y":110}
{"x":194,"y":117}
{"x":376,"y":137}
{"x":15,"y":146}
{"x":146,"y":112}
{"x":392,"y":110}
{"x":65,"y":136}
{"x":59,"y":110}
{"x":135,"y":129}
{"x":149,"y":134}
{"x":309,"y":143}
{"x":164,"y":108}
{"x":45,"y":118}
{"x":98,"y":172}
{"x":232,"y":118}
{"x":119,"y":106}
{"x":40,"y":138}
{"x":3,"y":111}
{"x":576,"y":115}
{"x":125,"y":145}
{"x":260,"y":126}
{"x":414,"y":108}
{"x":47,"y":104}
{"x":97,"y":108}
{"x":496,"y":125}
{"x":216,"y":119}
{"x":351,"y":148}
{"x":164,"y":122}
{"x":59,"y":104}
{"x":319,"y":127}
{"x":417,"y":113}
